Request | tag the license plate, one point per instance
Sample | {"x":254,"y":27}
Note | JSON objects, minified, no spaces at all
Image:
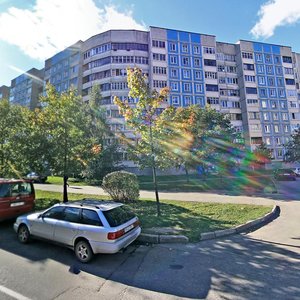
{"x":16,"y":204}
{"x":128,"y":228}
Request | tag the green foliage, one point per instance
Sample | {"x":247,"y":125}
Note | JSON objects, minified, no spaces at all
{"x":293,"y":147}
{"x":121,"y":186}
{"x":262,"y":154}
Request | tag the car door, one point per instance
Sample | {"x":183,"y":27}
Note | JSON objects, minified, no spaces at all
{"x":66,"y":229}
{"x":43,"y":226}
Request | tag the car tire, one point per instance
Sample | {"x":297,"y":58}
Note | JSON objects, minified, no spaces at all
{"x":23,"y":234}
{"x":83,"y":251}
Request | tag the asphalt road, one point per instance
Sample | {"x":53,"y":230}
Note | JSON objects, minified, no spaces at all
{"x":264,"y":264}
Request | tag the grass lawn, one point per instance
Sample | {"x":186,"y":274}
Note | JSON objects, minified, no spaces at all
{"x":189,"y":218}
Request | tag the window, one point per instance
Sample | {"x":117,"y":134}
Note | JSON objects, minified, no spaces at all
{"x":200,"y":101}
{"x":253,"y":115}
{"x":267,"y":128}
{"x":196,"y":49}
{"x":174,"y":73}
{"x":286,"y":128}
{"x":293,"y":104}
{"x":260,"y":69}
{"x":174,"y":86}
{"x":172,"y":47}
{"x":271,"y":81}
{"x":235,"y":104}
{"x":289,"y":81}
{"x":251,"y":90}
{"x":198,"y":75}
{"x":249,"y":78}
{"x":159,"y":70}
{"x":292,"y":93}
{"x":258,"y":57}
{"x":266,"y":116}
{"x":278,"y":70}
{"x":210,"y":62}
{"x":158,"y":44}
{"x":185,"y":48}
{"x":252,"y":101}
{"x":263,"y":93}
{"x":281,"y":93}
{"x":231,"y":80}
{"x":72,"y":214}
{"x":222,"y":80}
{"x":287,"y":59}
{"x":185,"y":61}
{"x":269,"y":69}
{"x":273,"y":104}
{"x":224,"y":103}
{"x":264,"y":104}
{"x":276,"y":128}
{"x":197,"y":62}
{"x":129,"y":46}
{"x":268,"y":58}
{"x":209,"y":50}
{"x":249,"y":67}
{"x":261,"y":80}
{"x":55,"y":213}
{"x":159,"y":83}
{"x":175,"y":100}
{"x":272,"y":93}
{"x":275,"y":116}
{"x":90,"y":217}
{"x":186,"y":73}
{"x":268,"y":141}
{"x":188,"y":100}
{"x":221,"y":68}
{"x":283,"y":105}
{"x":247,"y":55}
{"x":289,"y":71}
{"x":277,"y":59}
{"x":186,"y":87}
{"x":198,"y":88}
{"x":211,"y":75}
{"x":173,"y":60}
{"x":280,"y":81}
{"x":231,"y":69}
{"x":159,"y":56}
{"x":284,"y":116}
{"x":255,"y":127}
{"x":212,"y":100}
{"x":211,"y":87}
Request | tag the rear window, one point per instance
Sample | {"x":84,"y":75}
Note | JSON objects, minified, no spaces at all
{"x":15,"y":189}
{"x":118,"y":215}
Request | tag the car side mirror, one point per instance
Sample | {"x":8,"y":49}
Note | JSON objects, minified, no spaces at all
{"x":40,"y":216}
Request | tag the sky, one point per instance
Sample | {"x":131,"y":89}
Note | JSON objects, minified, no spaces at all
{"x":34,"y":30}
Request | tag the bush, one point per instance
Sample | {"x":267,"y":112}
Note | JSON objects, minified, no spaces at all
{"x":121,"y":186}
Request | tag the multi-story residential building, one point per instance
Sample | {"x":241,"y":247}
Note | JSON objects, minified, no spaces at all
{"x":4,"y":92}
{"x":64,"y":69}
{"x":26,"y":88}
{"x":256,"y":84}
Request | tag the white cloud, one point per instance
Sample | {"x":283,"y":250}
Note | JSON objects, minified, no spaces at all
{"x":276,"y":13}
{"x":52,"y":25}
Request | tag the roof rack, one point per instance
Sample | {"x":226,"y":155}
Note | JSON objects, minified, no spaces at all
{"x":89,"y":202}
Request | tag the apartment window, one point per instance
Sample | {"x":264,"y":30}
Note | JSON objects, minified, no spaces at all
{"x":269,"y":69}
{"x":292,"y":93}
{"x":211,"y":75}
{"x":159,"y":83}
{"x":221,"y":68}
{"x":284,"y":116}
{"x":235,"y":104}
{"x":196,"y":49}
{"x":174,"y":73}
{"x":209,"y":50}
{"x":277,"y":59}
{"x":175,"y":100}
{"x":224,"y":103}
{"x":279,"y":152}
{"x":200,"y":101}
{"x":289,"y":71}
{"x":222,"y":80}
{"x":172,"y":47}
{"x":186,"y":73}
{"x":281,"y":93}
{"x":287,"y":59}
{"x":247,"y":55}
{"x":260,"y":69}
{"x":278,"y":70}
{"x":174,"y":86}
{"x":249,"y":78}
{"x":266,"y":116}
{"x":253,"y":115}
{"x":276,"y":128}
{"x":188,"y":100}
{"x":158,"y":44}
{"x":278,"y":141}
{"x":264,"y":104}
{"x":210,"y":62}
{"x":275,"y":116}
{"x":289,"y":81}
{"x":159,"y":56}
{"x":231,"y":80}
{"x":255,"y":127}
{"x":249,"y":67}
{"x":198,"y":88}
{"x":283,"y":104}
{"x":251,"y":90}
{"x":186,"y":87}
{"x":211,"y":87}
{"x":212,"y":100}
{"x":185,"y":61}
{"x":272,"y":93}
{"x":197,"y":62}
{"x":256,"y":140}
{"x":261,"y":80}
{"x":268,"y":141}
{"x":273,"y":104}
{"x":173,"y":60}
{"x":286,"y":128}
{"x":185,"y":48}
{"x":280,"y":81}
{"x":231,"y":69}
{"x":262,"y":93}
{"x":252,"y":101}
{"x":267,"y":128}
{"x":198,"y":75}
{"x":293,"y":104}
{"x":159,"y":70}
{"x":268,"y":58}
{"x":258,"y":57}
{"x":271,"y":81}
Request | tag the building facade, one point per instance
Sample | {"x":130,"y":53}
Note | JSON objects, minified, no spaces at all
{"x":26,"y":88}
{"x":256,"y":84}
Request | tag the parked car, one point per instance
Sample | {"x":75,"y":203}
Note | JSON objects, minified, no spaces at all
{"x":17,"y":197}
{"x":285,"y":174}
{"x":36,"y":177}
{"x":88,"y":227}
{"x":297,"y":171}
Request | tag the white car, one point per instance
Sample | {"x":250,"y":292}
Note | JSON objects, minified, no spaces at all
{"x":297,"y":171}
{"x":88,"y":227}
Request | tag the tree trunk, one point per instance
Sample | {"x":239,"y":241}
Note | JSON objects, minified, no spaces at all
{"x":187,"y":174}
{"x":65,"y":190}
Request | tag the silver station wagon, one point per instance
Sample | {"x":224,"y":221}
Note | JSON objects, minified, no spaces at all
{"x":88,"y":227}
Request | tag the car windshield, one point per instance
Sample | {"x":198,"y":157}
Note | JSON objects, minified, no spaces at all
{"x":118,"y":215}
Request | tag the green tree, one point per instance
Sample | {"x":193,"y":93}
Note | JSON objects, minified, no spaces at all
{"x":67,"y":127}
{"x":293,"y":147}
{"x":143,"y":118}
{"x":13,"y":127}
{"x":261,"y":155}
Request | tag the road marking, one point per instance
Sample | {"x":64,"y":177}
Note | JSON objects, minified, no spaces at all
{"x":12,"y":293}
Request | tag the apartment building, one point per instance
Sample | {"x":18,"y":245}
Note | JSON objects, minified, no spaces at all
{"x":26,"y":88}
{"x":4,"y":92}
{"x":256,"y":84}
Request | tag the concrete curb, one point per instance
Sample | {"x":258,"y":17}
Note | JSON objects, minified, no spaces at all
{"x":247,"y":227}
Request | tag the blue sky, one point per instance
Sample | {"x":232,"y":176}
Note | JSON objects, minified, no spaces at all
{"x":33,"y":30}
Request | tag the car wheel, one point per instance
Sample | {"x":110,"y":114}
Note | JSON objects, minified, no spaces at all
{"x":23,"y":234}
{"x":83,"y":251}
